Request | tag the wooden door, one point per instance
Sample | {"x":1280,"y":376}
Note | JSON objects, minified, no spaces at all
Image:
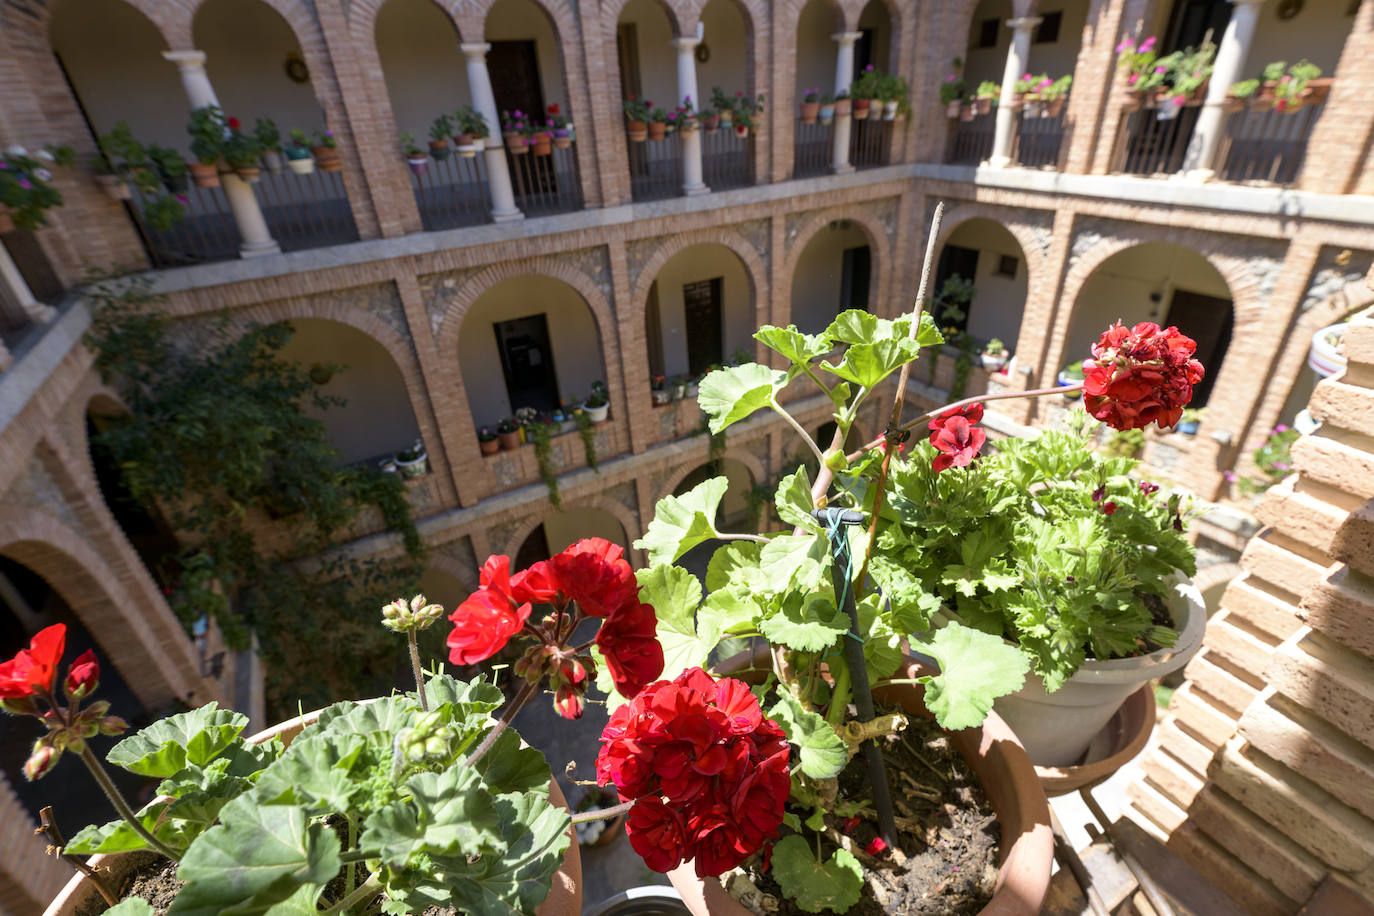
{"x":701,"y":312}
{"x":514,"y":68}
{"x":1208,"y":320}
{"x":854,"y":278}
{"x":527,"y":362}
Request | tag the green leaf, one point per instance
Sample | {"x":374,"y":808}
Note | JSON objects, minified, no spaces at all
{"x":117,"y":836}
{"x":798,"y":560}
{"x":793,"y":500}
{"x":797,"y":347}
{"x":687,"y":636}
{"x":478,"y":696}
{"x":164,"y":747}
{"x":806,"y":622}
{"x":507,"y":767}
{"x":883,"y":650}
{"x":835,"y":885}
{"x":910,"y":604}
{"x":259,"y":856}
{"x":447,"y":813}
{"x":321,"y":772}
{"x":131,"y":906}
{"x":857,"y":326}
{"x":867,"y":365}
{"x":735,"y":563}
{"x":823,"y":753}
{"x":730,"y":395}
{"x":682,"y":522}
{"x":975,"y":669}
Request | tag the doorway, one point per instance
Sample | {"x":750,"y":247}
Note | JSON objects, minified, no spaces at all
{"x":1208,"y":320}
{"x":955,"y":261}
{"x":854,"y":276}
{"x":701,"y":313}
{"x":527,"y":362}
{"x":514,"y":68}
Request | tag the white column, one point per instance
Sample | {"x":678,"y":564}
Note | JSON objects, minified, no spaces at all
{"x":503,"y":207}
{"x":1199,"y":162}
{"x":255,"y":238}
{"x":1018,"y":57}
{"x":692,"y":183}
{"x":18,"y":307}
{"x":844,"y":75}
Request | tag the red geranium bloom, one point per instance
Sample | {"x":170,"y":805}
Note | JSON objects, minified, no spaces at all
{"x":593,"y":572}
{"x":628,"y":640}
{"x":233,"y":123}
{"x":483,"y":623}
{"x":656,"y":832}
{"x":553,"y":109}
{"x":34,"y":669}
{"x":972,"y":414}
{"x":83,"y":676}
{"x":1140,"y":375}
{"x":958,"y":442}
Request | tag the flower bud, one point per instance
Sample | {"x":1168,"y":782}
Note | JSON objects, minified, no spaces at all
{"x":41,"y":761}
{"x":429,"y":739}
{"x":417,"y":615}
{"x":567,"y":701}
{"x":20,"y":706}
{"x":83,"y":676}
{"x":112,"y":725}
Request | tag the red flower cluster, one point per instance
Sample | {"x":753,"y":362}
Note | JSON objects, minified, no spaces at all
{"x":1140,"y":375}
{"x":34,"y":670}
{"x":491,"y":616}
{"x":956,"y":436}
{"x":707,"y":771}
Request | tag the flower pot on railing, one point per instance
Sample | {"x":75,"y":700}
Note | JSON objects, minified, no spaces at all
{"x":418,"y":164}
{"x":1033,"y":108}
{"x":439,"y":150}
{"x":638,"y":131}
{"x":117,"y":188}
{"x":861,"y":107}
{"x":463,"y":140}
{"x":843,"y":107}
{"x":953,"y":108}
{"x":982,"y":105}
{"x":890,"y":111}
{"x":543,"y":144}
{"x":205,"y":176}
{"x":488,"y":446}
{"x":327,"y":157}
{"x":562,"y":138}
{"x":1317,"y":90}
{"x":1232,"y":105}
{"x":810,"y":111}
{"x":657,"y":130}
{"x":710,"y":122}
{"x":298,"y":160}
{"x":249,"y":173}
{"x":741,"y":130}
{"x":1134,"y":100}
{"x":517,"y":144}
{"x":827,"y":113}
{"x":967,"y":112}
{"x":275,"y":161}
{"x":6,"y":221}
{"x":726,"y":116}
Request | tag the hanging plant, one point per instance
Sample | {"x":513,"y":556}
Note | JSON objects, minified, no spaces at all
{"x":584,"y":429}
{"x":543,"y":453}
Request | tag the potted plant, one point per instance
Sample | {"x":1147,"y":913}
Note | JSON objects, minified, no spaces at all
{"x":687,"y":119}
{"x":1053,"y":96}
{"x":1136,"y":64}
{"x":26,"y":189}
{"x":416,"y":157}
{"x":163,"y":211}
{"x":863,"y":91}
{"x":637,"y":119}
{"x":325,"y":151}
{"x":985,"y":95}
{"x":413,"y":461}
{"x":170,"y":168}
{"x":892,"y":91}
{"x":951,"y":92}
{"x":811,"y":105}
{"x":508,"y":433}
{"x":516,"y":132}
{"x":1191,"y":419}
{"x":241,"y":151}
{"x":269,"y":138}
{"x":542,"y":144}
{"x":1290,"y":91}
{"x":746,"y":111}
{"x":111,"y":183}
{"x":562,"y":130}
{"x":486,"y":439}
{"x":298,"y":157}
{"x":208,"y":132}
{"x":994,"y":355}
{"x":1239,"y":94}
{"x":658,"y":387}
{"x":827,"y":108}
{"x":723,"y":105}
{"x":598,"y":403}
{"x":448,"y":807}
{"x":439,"y":131}
{"x":473,"y":131}
{"x":658,"y":124}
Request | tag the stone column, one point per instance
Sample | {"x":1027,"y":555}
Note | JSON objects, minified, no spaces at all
{"x":503,"y":207}
{"x":1200,"y":161}
{"x":1018,"y":56}
{"x":844,"y":75}
{"x":692,"y":183}
{"x":255,"y":238}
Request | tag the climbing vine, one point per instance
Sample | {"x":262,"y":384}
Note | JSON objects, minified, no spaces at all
{"x":584,"y":429}
{"x":543,"y":454}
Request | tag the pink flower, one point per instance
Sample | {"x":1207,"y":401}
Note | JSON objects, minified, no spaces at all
{"x":1147,"y":45}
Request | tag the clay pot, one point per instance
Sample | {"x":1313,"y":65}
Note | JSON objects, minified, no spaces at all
{"x":509,"y":441}
{"x":517,"y":144}
{"x":966,"y":112}
{"x":741,"y":130}
{"x":1134,"y":101}
{"x":6,"y":221}
{"x":861,"y":108}
{"x":562,"y":138}
{"x":982,"y":105}
{"x":205,"y":176}
{"x":637,"y":130}
{"x":565,"y":891}
{"x":809,"y":112}
{"x":489,"y":446}
{"x":952,"y":109}
{"x":117,"y":188}
{"x":327,"y":158}
{"x":843,"y":107}
{"x":1316,"y":90}
{"x":249,"y":173}
{"x":1052,"y":108}
{"x":1003,"y":770}
{"x":657,"y":130}
{"x":1119,"y":742}
{"x":543,"y":144}
{"x":1232,"y":105}
{"x":711,"y":122}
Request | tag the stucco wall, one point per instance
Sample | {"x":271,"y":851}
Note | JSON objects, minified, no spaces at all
{"x":726,"y":35}
{"x":998,"y":301}
{"x":703,"y":262}
{"x":816,"y":285}
{"x":425,"y":73}
{"x":1317,"y":32}
{"x":1057,"y":58}
{"x":986,"y":63}
{"x":815,"y":48}
{"x":563,"y":528}
{"x":657,"y":58}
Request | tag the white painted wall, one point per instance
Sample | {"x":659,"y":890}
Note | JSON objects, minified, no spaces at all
{"x":1120,"y":288}
{"x":377,"y":417}
{"x":657,"y":57}
{"x":875,"y":17}
{"x":726,"y":35}
{"x":524,"y":20}
{"x":425,"y":74}
{"x":572,"y":332}
{"x":563,"y":529}
{"x":820,"y":270}
{"x":703,"y":262}
{"x":113,"y":55}
{"x":998,"y":301}
{"x":986,"y":63}
{"x":246,"y":45}
{"x":815,"y":48}
{"x":1317,"y":33}
{"x":1057,"y":58}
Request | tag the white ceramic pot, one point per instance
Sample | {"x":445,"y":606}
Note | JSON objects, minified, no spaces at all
{"x":415,"y":467}
{"x":889,"y":111}
{"x":1056,"y":728}
{"x":662,"y":396}
{"x":598,"y":414}
{"x":1327,"y":358}
{"x":274,"y":160}
{"x":993,"y":363}
{"x":301,"y":166}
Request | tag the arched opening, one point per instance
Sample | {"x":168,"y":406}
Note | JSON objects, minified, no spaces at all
{"x":815,"y":72}
{"x":834,"y":273}
{"x":874,"y":47}
{"x":1164,"y":283}
{"x":982,"y":252}
{"x":375,"y":419}
{"x":984,"y":60}
{"x":647,"y":63}
{"x":565,"y":528}
{"x":528,"y":342}
{"x":725,"y":71}
{"x":700,"y":312}
{"x":28,"y":603}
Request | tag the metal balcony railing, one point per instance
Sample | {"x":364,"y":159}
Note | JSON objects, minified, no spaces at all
{"x":452,"y":192}
{"x":655,"y":168}
{"x":546,"y":184}
{"x":1147,"y":144}
{"x":727,"y":159}
{"x":811,"y":148}
{"x":870,"y":142}
{"x":1038,"y":137}
{"x":971,"y":141}
{"x":1267,"y":145}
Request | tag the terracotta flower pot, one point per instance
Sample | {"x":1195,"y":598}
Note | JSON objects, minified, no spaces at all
{"x":967,"y":112}
{"x":638,"y":131}
{"x":205,"y":176}
{"x":741,"y":130}
{"x":509,"y":441}
{"x":1052,"y":108}
{"x":861,"y":109}
{"x":1134,"y":101}
{"x":562,"y":138}
{"x":657,"y":130}
{"x":249,"y":173}
{"x":982,"y":105}
{"x":1233,"y":105}
{"x":1003,"y":770}
{"x":6,"y":221}
{"x":952,"y":109}
{"x":117,"y":188}
{"x":517,"y":143}
{"x":543,"y":145}
{"x":327,"y":158}
{"x":1316,"y":90}
{"x":843,"y":106}
{"x":711,"y":122}
{"x":489,"y":446}
{"x":809,"y":112}
{"x":80,"y":895}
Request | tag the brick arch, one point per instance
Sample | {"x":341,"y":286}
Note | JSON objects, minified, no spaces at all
{"x":172,"y":18}
{"x":743,"y":456}
{"x":679,"y":13}
{"x":1020,"y":233}
{"x":878,"y":245}
{"x":854,"y":9}
{"x":362,"y":20}
{"x":465,"y":576}
{"x":628,"y":523}
{"x":758,"y":45}
{"x":96,"y":594}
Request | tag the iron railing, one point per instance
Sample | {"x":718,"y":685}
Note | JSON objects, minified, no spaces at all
{"x":870,"y":142}
{"x":1267,"y":145}
{"x":1038,"y":137}
{"x":452,"y":192}
{"x":1147,"y":144}
{"x":811,"y":149}
{"x":656,"y":168}
{"x":546,"y":184}
{"x":727,"y":159}
{"x":971,"y":141}
{"x":302,"y":211}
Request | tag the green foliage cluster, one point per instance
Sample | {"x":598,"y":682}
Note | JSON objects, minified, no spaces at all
{"x":217,"y":431}
{"x":249,"y":821}
{"x":541,"y":432}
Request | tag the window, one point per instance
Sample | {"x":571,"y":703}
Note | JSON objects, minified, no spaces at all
{"x":987,"y":34}
{"x":1006,"y":266}
{"x":1047,"y":32}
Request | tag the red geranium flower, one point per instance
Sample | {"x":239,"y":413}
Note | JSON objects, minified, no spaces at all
{"x":233,"y":123}
{"x":1140,"y":375}
{"x":657,"y":833}
{"x":483,"y":623}
{"x":628,"y":640}
{"x":83,"y":676}
{"x":593,"y":572}
{"x":972,"y":413}
{"x":958,"y":442}
{"x":34,"y":670}
{"x":553,"y":109}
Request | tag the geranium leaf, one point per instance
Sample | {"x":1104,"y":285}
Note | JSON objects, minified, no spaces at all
{"x":447,"y":813}
{"x":823,"y":753}
{"x":806,"y":622}
{"x":507,"y":767}
{"x":793,"y":499}
{"x":730,"y":395}
{"x":682,"y":522}
{"x":975,"y":669}
{"x":735,"y":563}
{"x":909,"y":604}
{"x":478,"y":696}
{"x":131,"y":906}
{"x":686,"y":635}
{"x":867,"y":365}
{"x":798,"y":347}
{"x":259,"y":856}
{"x":882,"y":644}
{"x":316,"y":772}
{"x":794,"y":560}
{"x":164,"y":747}
{"x":833,"y":885}
{"x":117,"y":836}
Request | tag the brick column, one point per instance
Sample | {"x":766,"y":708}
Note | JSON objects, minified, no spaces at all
{"x":1135,"y":19}
{"x":1340,"y":141}
{"x":1200,"y":161}
{"x":1018,"y":55}
{"x":634,"y":363}
{"x":1092,"y":84}
{"x":844,"y":74}
{"x":1265,"y":760}
{"x":503,"y":209}
{"x":255,"y":238}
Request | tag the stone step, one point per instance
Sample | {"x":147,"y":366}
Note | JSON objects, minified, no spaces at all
{"x":1208,"y":673}
{"x":1326,"y":677}
{"x":1291,"y":870}
{"x":1342,"y":606}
